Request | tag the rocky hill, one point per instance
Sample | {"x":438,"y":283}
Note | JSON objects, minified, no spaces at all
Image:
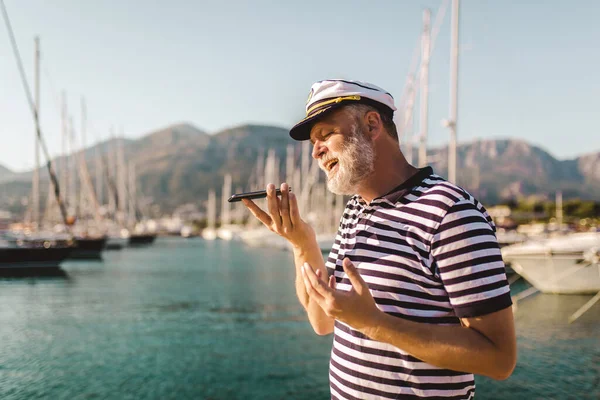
{"x":6,"y":174}
{"x":180,"y":163}
{"x":498,"y":169}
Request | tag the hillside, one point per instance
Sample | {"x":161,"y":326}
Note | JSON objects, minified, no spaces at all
{"x":6,"y":174}
{"x":179,"y":164}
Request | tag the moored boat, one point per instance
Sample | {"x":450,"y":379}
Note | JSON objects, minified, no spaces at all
{"x":24,"y":258}
{"x":87,"y":248}
{"x":566,"y":264}
{"x":141,"y":239}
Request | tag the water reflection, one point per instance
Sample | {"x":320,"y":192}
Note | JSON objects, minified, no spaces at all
{"x":33,"y":274}
{"x":194,"y":319}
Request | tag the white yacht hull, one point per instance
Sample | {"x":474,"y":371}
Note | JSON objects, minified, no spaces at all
{"x":559,"y":275}
{"x":560,"y":265}
{"x":209,"y":234}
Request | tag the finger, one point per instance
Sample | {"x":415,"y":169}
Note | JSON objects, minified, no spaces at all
{"x":294,"y":211}
{"x":273,"y":207}
{"x":285,"y":207}
{"x":310,"y":288}
{"x":332,"y":282}
{"x":257,"y":212}
{"x":318,"y":285}
{"x":356,"y":280}
{"x":319,"y":274}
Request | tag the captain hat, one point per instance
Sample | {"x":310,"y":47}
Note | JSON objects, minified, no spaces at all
{"x":330,"y":94}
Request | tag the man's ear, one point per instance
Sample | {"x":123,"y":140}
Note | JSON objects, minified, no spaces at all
{"x":374,"y":124}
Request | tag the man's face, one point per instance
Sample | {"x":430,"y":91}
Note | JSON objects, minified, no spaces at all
{"x":344,"y":152}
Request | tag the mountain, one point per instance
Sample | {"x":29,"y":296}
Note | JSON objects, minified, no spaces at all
{"x":6,"y":174}
{"x":510,"y":168}
{"x":178,"y":169}
{"x":589,"y":165}
{"x":180,"y":163}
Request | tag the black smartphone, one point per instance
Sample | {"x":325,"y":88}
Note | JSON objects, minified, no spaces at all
{"x":261,"y":194}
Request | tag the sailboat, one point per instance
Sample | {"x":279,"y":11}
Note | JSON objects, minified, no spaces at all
{"x":28,"y":252}
{"x":30,"y":257}
{"x":90,"y":238}
{"x":117,"y":233}
{"x":210,"y":232}
{"x":227,"y":230}
{"x":560,"y":263}
{"x":141,"y":234}
{"x":123,"y":219}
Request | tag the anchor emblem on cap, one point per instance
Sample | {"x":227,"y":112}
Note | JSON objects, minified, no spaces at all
{"x":310,"y":95}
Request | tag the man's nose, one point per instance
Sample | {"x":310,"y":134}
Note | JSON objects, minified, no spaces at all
{"x":318,"y":149}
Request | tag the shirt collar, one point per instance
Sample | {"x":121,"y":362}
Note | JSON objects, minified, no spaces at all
{"x":405,"y":187}
{"x":401,"y":190}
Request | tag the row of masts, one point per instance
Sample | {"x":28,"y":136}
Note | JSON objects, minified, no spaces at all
{"x":68,"y":181}
{"x":83,"y":196}
{"x":420,"y":86}
{"x":317,"y":205}
{"x":306,"y":177}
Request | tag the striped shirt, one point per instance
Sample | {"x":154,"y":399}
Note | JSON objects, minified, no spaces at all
{"x":428,"y":252}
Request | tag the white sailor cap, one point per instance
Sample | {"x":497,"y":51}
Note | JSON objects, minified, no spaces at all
{"x":333,"y":93}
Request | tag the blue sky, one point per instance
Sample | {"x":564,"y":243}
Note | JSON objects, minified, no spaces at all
{"x":528,"y":69}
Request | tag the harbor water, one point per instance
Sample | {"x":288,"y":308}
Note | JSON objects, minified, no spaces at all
{"x":194,"y":319}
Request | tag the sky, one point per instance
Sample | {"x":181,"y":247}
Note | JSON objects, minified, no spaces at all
{"x":528,"y":68}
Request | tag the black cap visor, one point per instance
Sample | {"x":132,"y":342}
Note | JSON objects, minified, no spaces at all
{"x":301,"y":131}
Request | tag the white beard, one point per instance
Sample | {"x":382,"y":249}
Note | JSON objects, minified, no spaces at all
{"x":355,"y":163}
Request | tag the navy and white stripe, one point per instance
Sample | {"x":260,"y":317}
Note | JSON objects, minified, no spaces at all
{"x":429,"y":254}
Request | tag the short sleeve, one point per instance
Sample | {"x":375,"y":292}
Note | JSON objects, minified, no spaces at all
{"x":468,"y":259}
{"x":335,"y":255}
{"x":333,"y":261}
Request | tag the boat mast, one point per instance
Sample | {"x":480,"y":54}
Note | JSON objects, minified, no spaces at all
{"x":113,"y":193}
{"x":121,"y":178}
{"x":98,"y":171}
{"x":32,"y":107}
{"x":408,"y":120}
{"x":559,"y":209}
{"x":73,"y":169}
{"x":212,"y":210}
{"x":425,"y":53}
{"x":289,"y":164}
{"x":91,"y":206}
{"x":225,"y":205}
{"x":132,"y":217}
{"x":63,"y":161}
{"x":452,"y":123}
{"x":36,"y":171}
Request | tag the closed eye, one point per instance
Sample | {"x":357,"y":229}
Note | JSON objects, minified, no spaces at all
{"x":322,"y":137}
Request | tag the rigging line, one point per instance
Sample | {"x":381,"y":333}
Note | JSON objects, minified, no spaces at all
{"x":34,"y":110}
{"x":411,"y":87}
{"x":411,"y":72}
{"x":439,"y":18}
{"x":435,"y":30}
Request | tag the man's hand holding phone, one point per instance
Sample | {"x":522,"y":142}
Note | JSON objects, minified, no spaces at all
{"x":283,"y":216}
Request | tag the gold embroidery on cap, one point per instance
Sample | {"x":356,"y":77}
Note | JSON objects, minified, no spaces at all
{"x":336,"y":100}
{"x":310,"y":95}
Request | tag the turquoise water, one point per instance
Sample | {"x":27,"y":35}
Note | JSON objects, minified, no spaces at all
{"x":188,"y":319}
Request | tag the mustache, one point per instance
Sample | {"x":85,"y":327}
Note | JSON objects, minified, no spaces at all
{"x":323,"y":161}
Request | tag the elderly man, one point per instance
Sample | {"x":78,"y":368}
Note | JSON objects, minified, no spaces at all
{"x":414,"y":288}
